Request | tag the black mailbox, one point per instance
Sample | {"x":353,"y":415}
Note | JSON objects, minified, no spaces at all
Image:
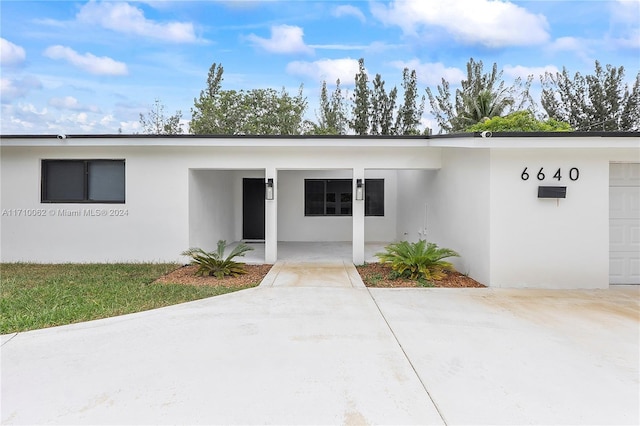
{"x":552,"y":192}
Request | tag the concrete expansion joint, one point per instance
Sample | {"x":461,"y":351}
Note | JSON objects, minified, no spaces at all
{"x":9,"y":338}
{"x":435,"y":404}
{"x":272,"y":275}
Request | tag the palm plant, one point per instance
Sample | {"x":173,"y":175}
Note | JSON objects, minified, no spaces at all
{"x":417,"y":261}
{"x":483,"y":106}
{"x":215,"y":264}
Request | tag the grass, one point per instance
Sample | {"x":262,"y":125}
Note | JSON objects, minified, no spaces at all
{"x":34,"y":296}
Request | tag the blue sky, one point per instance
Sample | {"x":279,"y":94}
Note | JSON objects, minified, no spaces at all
{"x":93,"y":67}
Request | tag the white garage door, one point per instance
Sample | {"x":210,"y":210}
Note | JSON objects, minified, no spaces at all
{"x":624,"y":223}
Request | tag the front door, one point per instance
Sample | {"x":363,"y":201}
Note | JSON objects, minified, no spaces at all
{"x":253,"y":209}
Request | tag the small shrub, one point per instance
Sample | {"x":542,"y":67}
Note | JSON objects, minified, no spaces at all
{"x":424,"y":283}
{"x":375,"y":279}
{"x":420,"y":261}
{"x":394,"y":275}
{"x":215,"y":264}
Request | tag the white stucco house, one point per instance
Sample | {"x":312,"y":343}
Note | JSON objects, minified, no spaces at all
{"x":553,"y":210}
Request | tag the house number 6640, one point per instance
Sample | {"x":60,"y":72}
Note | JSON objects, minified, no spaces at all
{"x":574,"y":174}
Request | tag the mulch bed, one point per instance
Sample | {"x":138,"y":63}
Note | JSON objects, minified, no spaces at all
{"x":377,"y":275}
{"x":373,"y":275}
{"x":186,"y":275}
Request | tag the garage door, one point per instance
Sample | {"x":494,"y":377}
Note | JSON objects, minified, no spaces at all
{"x":624,"y":223}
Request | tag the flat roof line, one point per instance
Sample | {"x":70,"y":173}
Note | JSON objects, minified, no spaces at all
{"x":447,"y":136}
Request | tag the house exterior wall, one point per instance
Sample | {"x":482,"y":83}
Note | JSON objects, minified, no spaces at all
{"x":383,"y":228}
{"x":458,"y":212}
{"x":151,"y":226}
{"x":450,"y":207}
{"x":176,"y":196}
{"x":464,"y":193}
{"x":549,"y":243}
{"x":212,"y":207}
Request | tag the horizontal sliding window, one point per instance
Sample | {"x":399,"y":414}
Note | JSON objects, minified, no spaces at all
{"x":83,"y":181}
{"x":334,"y":197}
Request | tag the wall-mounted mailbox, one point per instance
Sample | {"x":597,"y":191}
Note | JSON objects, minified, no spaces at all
{"x":552,"y":192}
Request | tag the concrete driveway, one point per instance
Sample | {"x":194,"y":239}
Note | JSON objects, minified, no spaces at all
{"x":327,"y":350}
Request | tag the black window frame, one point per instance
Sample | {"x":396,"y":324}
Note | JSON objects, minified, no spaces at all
{"x":338,"y":204}
{"x":44,"y":197}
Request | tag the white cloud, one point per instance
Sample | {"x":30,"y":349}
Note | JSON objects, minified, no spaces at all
{"x":432,"y":73}
{"x":339,"y":46}
{"x":31,"y":109}
{"x":631,"y":40}
{"x":348,"y":10}
{"x":22,"y":119}
{"x":524,"y":72}
{"x":486,"y":22}
{"x":124,"y":18}
{"x":625,"y":11}
{"x":284,"y":39}
{"x":11,"y":54}
{"x":71,"y":103}
{"x":13,"y":88}
{"x":106,"y":120}
{"x":577,"y":46}
{"x":87,"y":62}
{"x":326,"y":69}
{"x":11,"y":123}
{"x":129,"y":127}
{"x":569,"y":44}
{"x":625,"y":28}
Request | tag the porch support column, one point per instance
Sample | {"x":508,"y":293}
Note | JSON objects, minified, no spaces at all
{"x":271,"y":220}
{"x":357,"y":210}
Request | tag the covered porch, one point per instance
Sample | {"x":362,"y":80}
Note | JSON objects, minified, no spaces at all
{"x":312,"y":251}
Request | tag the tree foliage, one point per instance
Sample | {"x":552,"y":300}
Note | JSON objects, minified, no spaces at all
{"x":251,"y":112}
{"x":373,"y":110}
{"x":520,"y":121}
{"x":410,"y":112}
{"x":155,"y":122}
{"x":382,"y":107}
{"x":482,"y":95}
{"x":596,"y":102}
{"x":361,"y":103}
{"x":333,"y":114}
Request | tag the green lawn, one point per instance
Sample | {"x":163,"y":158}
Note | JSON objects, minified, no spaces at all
{"x":36,"y":296}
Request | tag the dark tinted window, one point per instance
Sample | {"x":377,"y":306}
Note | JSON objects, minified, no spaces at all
{"x":334,"y":197}
{"x":83,"y":181}
{"x":374,"y":197}
{"x":63,"y":180}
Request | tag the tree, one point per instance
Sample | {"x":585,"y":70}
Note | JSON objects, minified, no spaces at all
{"x":204,"y":117}
{"x":252,"y":112}
{"x":360,"y":109}
{"x":630,"y":118}
{"x":481,"y":95}
{"x":382,"y":107}
{"x":520,"y":121}
{"x":598,"y":102}
{"x":409,"y":113}
{"x":483,"y":106}
{"x":154,"y":122}
{"x":333,"y":115}
{"x":373,"y":111}
{"x":269,"y":112}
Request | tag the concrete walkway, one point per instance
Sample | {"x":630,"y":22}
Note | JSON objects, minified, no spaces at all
{"x":321,"y":348}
